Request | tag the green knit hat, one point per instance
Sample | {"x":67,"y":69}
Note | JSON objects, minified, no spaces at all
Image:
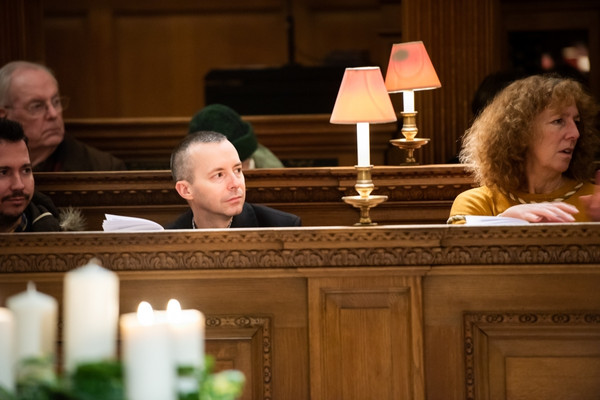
{"x":222,"y":119}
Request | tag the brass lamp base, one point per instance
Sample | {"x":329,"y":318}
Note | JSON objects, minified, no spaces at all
{"x":410,"y":146}
{"x":409,"y":143}
{"x":365,"y":201}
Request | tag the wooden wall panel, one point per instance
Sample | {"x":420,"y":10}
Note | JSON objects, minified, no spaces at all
{"x":21,"y":30}
{"x":463,"y":41}
{"x":162,"y":60}
{"x":520,"y":304}
{"x":147,"y":59}
{"x":530,"y":355}
{"x":250,"y":351}
{"x":366,"y":338}
{"x":71,"y":31}
{"x":495,"y":323}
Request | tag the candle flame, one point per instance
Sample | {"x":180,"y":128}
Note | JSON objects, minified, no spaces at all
{"x":173,"y":310}
{"x":145,"y":314}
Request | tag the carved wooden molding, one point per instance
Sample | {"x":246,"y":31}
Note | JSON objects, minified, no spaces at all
{"x":262,"y":325}
{"x":379,"y":246}
{"x":290,"y":185}
{"x":482,"y":321}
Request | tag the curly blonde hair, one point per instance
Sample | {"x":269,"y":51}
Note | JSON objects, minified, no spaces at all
{"x":495,"y":146}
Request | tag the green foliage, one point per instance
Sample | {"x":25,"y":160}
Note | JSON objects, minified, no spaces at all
{"x":6,"y":395}
{"x":103,"y":380}
{"x":36,"y":380}
{"x":224,"y":385}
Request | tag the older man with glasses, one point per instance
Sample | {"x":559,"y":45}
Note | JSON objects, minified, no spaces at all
{"x":29,"y":95}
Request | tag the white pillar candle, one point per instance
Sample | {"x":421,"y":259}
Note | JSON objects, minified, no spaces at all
{"x":362,"y":144}
{"x":186,"y":328}
{"x":150,"y":372}
{"x":7,"y":379}
{"x":35,"y":320}
{"x":408,"y":97}
{"x":91,"y":315}
{"x":187,"y":334}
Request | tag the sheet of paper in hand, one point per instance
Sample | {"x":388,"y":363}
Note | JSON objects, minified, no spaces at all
{"x":486,"y":220}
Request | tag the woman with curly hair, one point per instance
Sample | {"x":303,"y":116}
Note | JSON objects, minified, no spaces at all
{"x":532,"y":152}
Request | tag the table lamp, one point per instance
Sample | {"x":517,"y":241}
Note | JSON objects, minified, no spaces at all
{"x":410,"y":69}
{"x":362,"y":100}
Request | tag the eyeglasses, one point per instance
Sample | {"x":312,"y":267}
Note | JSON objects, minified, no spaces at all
{"x":38,"y":108}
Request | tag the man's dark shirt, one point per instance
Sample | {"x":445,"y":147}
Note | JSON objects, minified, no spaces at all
{"x":74,"y":155}
{"x":252,"y":216}
{"x":40,"y":216}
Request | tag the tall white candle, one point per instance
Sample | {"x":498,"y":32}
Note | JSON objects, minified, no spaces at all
{"x":35,"y":319}
{"x":150,"y":372}
{"x":362,"y":144}
{"x":186,"y":328}
{"x":7,"y":378}
{"x":408,"y":98}
{"x":91,"y":314}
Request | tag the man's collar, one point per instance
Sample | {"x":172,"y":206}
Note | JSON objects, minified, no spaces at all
{"x":20,"y":225}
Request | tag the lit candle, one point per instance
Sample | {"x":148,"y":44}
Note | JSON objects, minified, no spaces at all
{"x":147,"y":356}
{"x":35,"y":321}
{"x":91,"y":314}
{"x":187,"y":336}
{"x":7,"y":379}
{"x":187,"y":332}
{"x":408,"y":97}
{"x":362,"y":144}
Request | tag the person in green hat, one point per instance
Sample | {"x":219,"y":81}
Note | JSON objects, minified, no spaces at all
{"x":221,"y":118}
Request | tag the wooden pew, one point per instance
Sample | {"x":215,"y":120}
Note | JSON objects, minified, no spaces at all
{"x":298,"y":140}
{"x":385,"y":312}
{"x":416,"y":194}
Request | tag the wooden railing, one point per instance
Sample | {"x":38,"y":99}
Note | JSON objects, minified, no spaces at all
{"x":298,"y":140}
{"x":385,"y":312}
{"x":416,"y":195}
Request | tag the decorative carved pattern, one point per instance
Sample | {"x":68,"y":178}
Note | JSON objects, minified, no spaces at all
{"x":473,"y":322}
{"x":263,"y":324}
{"x":379,"y":246}
{"x":298,"y":185}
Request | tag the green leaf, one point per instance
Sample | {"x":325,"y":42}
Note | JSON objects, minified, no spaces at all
{"x":94,"y":381}
{"x":224,"y":385}
{"x":5,"y":394}
{"x":36,"y":380}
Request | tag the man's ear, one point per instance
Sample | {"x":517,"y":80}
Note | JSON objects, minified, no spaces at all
{"x":183,"y":188}
{"x":3,"y":112}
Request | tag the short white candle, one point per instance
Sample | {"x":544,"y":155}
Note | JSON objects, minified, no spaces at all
{"x":91,"y":315}
{"x":187,"y":333}
{"x":187,"y":336}
{"x":7,"y":378}
{"x":408,"y":97}
{"x":362,"y":144}
{"x":35,"y":320}
{"x":150,"y":372}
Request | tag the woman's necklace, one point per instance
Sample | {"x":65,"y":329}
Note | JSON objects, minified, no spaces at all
{"x":562,"y":198}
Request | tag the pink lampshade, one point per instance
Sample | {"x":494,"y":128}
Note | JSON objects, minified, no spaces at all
{"x":410,"y":68}
{"x":362,"y":97}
